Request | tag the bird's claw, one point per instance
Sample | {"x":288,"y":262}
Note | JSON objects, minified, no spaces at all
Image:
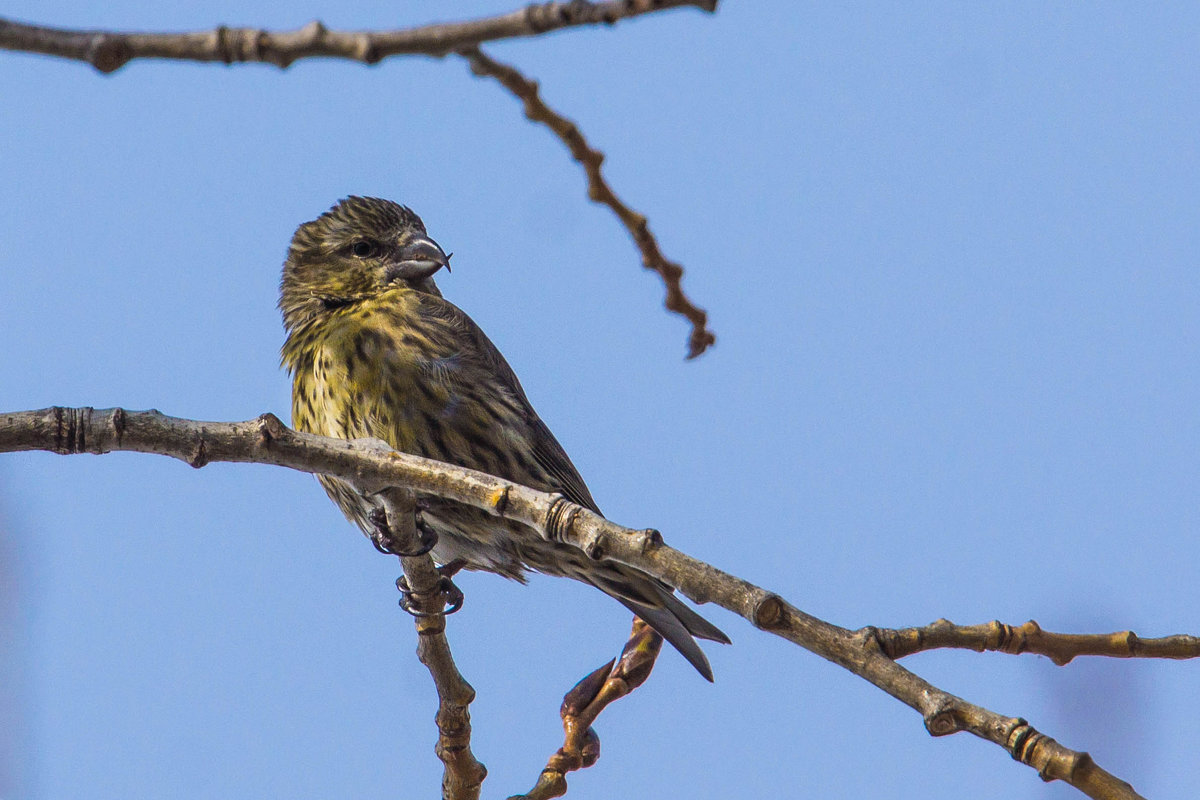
{"x":451,"y":596}
{"x":427,"y":537}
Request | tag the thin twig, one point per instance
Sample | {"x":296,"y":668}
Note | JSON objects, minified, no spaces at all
{"x":371,"y":467}
{"x":1030,"y":638}
{"x":108,"y":51}
{"x":584,"y":703}
{"x":701,"y":338}
{"x":462,"y":773}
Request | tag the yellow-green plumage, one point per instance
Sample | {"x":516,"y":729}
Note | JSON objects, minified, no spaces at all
{"x":375,"y":351}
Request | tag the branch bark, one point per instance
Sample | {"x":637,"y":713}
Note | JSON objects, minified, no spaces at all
{"x":701,"y":338}
{"x":586,"y":701}
{"x":1061,"y":648}
{"x":462,"y":773}
{"x":108,"y":51}
{"x":372,"y":467}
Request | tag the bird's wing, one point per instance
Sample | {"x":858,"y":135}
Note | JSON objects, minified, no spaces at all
{"x":549,"y":453}
{"x":643,"y":594}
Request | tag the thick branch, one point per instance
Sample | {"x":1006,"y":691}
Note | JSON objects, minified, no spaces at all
{"x":1030,"y":638}
{"x":371,"y":466}
{"x":108,"y":51}
{"x":701,"y":338}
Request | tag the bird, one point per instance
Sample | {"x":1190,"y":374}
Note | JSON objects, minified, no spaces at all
{"x":375,"y":350}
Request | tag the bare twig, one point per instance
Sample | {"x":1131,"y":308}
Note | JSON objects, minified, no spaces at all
{"x":372,"y":468}
{"x":701,"y":338}
{"x":108,"y":51}
{"x":462,"y":773}
{"x":583,"y":704}
{"x":1030,"y":638}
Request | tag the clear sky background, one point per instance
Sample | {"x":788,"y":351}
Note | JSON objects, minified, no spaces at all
{"x":949,"y":251}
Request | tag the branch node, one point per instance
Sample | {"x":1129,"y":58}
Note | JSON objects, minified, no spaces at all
{"x":551,"y":783}
{"x":1035,"y":749}
{"x":651,"y":538}
{"x":498,"y":500}
{"x":870,"y":638}
{"x":1000,"y":637}
{"x":559,"y":519}
{"x":595,"y":547}
{"x":71,"y":427}
{"x":221,"y":46}
{"x":768,"y":612}
{"x":60,"y":424}
{"x":314,"y":31}
{"x":108,"y":53}
{"x":270,"y":429}
{"x":200,"y":454}
{"x":589,"y":752}
{"x":118,"y":424}
{"x":367,"y":52}
{"x":943,"y":722}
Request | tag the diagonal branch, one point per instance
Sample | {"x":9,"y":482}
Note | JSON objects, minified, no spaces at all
{"x":372,"y":468}
{"x":1030,"y":638}
{"x":599,"y":191}
{"x":108,"y":51}
{"x":584,"y":703}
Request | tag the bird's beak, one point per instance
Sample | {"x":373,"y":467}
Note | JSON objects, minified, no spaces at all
{"x":418,"y":259}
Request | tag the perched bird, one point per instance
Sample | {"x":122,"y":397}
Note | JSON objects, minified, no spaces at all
{"x":375,"y":351}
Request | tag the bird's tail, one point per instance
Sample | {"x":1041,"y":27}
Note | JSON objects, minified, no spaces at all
{"x":664,"y":612}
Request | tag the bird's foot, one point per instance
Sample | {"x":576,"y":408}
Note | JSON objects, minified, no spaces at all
{"x":420,"y":604}
{"x":381,"y":537}
{"x":584,"y":702}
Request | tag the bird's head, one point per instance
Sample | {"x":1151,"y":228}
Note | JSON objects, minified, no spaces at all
{"x":355,"y":250}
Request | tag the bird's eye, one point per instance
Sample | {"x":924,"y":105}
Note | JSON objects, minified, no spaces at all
{"x":363,"y":249}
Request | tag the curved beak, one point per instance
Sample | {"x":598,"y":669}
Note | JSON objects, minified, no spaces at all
{"x":417,"y":260}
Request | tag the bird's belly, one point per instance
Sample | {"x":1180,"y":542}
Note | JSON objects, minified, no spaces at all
{"x":481,"y":540}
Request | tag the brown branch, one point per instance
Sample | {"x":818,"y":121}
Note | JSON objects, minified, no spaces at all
{"x":371,"y":467}
{"x":1030,"y":638}
{"x":462,"y":773}
{"x":108,"y":51}
{"x":701,"y":338}
{"x":584,"y":703}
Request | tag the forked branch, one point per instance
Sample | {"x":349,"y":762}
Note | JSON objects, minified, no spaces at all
{"x":108,"y":51}
{"x":267,"y":441}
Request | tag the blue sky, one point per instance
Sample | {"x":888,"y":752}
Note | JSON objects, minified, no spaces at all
{"x":950,"y":255}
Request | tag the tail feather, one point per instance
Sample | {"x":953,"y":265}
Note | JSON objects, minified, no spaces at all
{"x":672,"y":619}
{"x":695,"y":624}
{"x":655,"y":603}
{"x":670,"y":628}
